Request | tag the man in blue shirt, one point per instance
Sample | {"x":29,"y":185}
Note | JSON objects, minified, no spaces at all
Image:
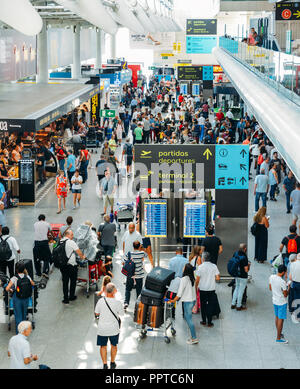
{"x":133,"y":105}
{"x":261,"y":188}
{"x":178,"y":262}
{"x":71,"y":160}
{"x":289,"y":184}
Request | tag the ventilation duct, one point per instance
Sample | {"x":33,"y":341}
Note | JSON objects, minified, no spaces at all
{"x":123,"y":15}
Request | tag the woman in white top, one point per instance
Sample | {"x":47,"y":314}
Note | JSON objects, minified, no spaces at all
{"x":187,"y":294}
{"x":76,"y":182}
{"x":119,"y":131}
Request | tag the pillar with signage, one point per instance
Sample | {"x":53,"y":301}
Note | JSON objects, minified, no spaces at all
{"x":95,"y":108}
{"x":218,"y":176}
{"x":26,"y":182}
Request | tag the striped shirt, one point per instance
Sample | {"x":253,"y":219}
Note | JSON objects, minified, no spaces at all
{"x":137,"y":257}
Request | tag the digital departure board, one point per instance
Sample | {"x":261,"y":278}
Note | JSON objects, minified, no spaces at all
{"x":155,"y":216}
{"x":201,"y":27}
{"x":190,"y":73}
{"x":194,"y":219}
{"x":26,"y":181}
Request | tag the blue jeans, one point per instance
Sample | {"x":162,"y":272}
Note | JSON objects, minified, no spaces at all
{"x":61,"y":164}
{"x":288,"y":200}
{"x":83,"y":170}
{"x":259,"y":195}
{"x":188,"y":306}
{"x":20,"y":309}
{"x":240,"y":286}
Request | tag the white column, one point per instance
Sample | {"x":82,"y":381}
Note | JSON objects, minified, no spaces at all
{"x":76,"y":68}
{"x":113,"y":46}
{"x":42,"y":56}
{"x":98,"y":48}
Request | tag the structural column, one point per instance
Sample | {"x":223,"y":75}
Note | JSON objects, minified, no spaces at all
{"x":76,"y":68}
{"x":42,"y":56}
{"x":113,"y":46}
{"x":98,"y":48}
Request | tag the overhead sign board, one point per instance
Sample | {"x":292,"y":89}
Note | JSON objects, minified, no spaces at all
{"x":194,"y":220}
{"x":200,"y":44}
{"x":155,"y":212}
{"x":107,"y":113}
{"x":190,"y":73}
{"x":288,"y":11}
{"x":232,"y":167}
{"x":201,"y":27}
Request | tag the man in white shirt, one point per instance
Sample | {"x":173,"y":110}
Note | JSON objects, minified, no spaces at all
{"x":279,"y":289}
{"x":19,"y":348}
{"x":108,"y":309}
{"x":41,"y":250}
{"x":13,"y":244}
{"x":207,"y":275}
{"x":130,"y":236}
{"x":69,"y":271}
{"x":229,"y":114}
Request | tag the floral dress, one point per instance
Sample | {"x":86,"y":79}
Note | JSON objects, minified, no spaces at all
{"x":61,"y":186}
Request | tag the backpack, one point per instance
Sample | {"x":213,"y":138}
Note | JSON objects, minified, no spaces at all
{"x":24,"y":287}
{"x":47,"y":154}
{"x":5,"y":250}
{"x":129,"y":148}
{"x":59,"y":255}
{"x":128,"y":268}
{"x":292,"y":245}
{"x":233,"y":265}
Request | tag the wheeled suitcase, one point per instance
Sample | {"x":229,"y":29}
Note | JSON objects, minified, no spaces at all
{"x":140,"y":312}
{"x":155,"y":317}
{"x":29,"y":267}
{"x":216,"y":310}
{"x":158,"y":279}
{"x":151,"y":297}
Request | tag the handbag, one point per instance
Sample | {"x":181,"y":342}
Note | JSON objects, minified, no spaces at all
{"x":253,"y":229}
{"x":117,"y":318}
{"x":196,"y":307}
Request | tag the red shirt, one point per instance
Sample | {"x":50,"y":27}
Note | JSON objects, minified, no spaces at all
{"x":60,"y":154}
{"x":220,"y":115}
{"x":180,"y":99}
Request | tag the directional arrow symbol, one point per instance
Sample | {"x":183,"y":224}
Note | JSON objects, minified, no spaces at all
{"x":242,"y":166}
{"x":243,"y":153}
{"x":207,"y":153}
{"x":243,"y":180}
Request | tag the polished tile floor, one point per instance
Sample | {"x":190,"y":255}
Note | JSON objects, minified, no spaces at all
{"x":65,"y":336}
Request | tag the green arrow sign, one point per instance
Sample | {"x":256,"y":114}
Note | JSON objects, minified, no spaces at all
{"x":107,"y":113}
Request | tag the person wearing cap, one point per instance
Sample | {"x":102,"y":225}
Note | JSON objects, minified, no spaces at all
{"x":212,"y":244}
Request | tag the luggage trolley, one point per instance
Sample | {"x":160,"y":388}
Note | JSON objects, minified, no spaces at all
{"x":169,"y":322}
{"x":88,"y":274}
{"x":124,"y":214}
{"x":8,"y":301}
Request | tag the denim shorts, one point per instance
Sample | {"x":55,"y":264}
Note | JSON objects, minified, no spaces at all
{"x":76,"y":190}
{"x":280,"y":311}
{"x":102,"y":340}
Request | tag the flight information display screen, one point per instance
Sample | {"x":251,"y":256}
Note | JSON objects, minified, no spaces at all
{"x":155,"y":216}
{"x":194,"y":219}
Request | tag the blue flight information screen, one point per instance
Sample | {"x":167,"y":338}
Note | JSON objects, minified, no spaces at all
{"x":155,"y":216}
{"x":194,"y":219}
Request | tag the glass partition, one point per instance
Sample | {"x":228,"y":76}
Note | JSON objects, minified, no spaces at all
{"x":280,"y":70}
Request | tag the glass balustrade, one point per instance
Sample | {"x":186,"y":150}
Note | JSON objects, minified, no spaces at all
{"x":280,"y":70}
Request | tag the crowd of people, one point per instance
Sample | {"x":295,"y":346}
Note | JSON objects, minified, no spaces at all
{"x":161,"y":114}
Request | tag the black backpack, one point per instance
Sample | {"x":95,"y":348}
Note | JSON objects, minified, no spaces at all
{"x":24,"y":287}
{"x":129,"y":148}
{"x":5,"y":250}
{"x":59,"y":255}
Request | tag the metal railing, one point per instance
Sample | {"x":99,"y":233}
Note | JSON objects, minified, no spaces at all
{"x":280,"y":70}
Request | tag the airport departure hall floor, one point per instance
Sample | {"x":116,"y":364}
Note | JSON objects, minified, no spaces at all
{"x":65,"y":336}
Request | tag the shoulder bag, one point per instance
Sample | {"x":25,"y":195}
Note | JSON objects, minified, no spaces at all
{"x":117,"y":318}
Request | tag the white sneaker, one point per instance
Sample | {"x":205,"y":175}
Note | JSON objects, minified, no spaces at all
{"x":192,"y":341}
{"x":74,"y":207}
{"x":295,"y":320}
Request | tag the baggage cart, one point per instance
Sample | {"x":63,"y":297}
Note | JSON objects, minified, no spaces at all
{"x":124,"y":214}
{"x":168,"y":323}
{"x":55,"y":229}
{"x":88,"y":275}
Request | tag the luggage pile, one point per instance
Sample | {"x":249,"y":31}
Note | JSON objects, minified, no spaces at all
{"x":149,"y":308}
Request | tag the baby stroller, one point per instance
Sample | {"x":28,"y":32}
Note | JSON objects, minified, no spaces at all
{"x":124,"y":214}
{"x":8,"y":301}
{"x":91,"y":139}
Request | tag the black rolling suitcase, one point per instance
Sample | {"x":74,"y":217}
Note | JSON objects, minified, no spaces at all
{"x":151,"y":297}
{"x":216,"y":310}
{"x":158,"y":279}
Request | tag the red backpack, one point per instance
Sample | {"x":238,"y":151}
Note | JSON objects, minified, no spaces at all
{"x":292,"y":245}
